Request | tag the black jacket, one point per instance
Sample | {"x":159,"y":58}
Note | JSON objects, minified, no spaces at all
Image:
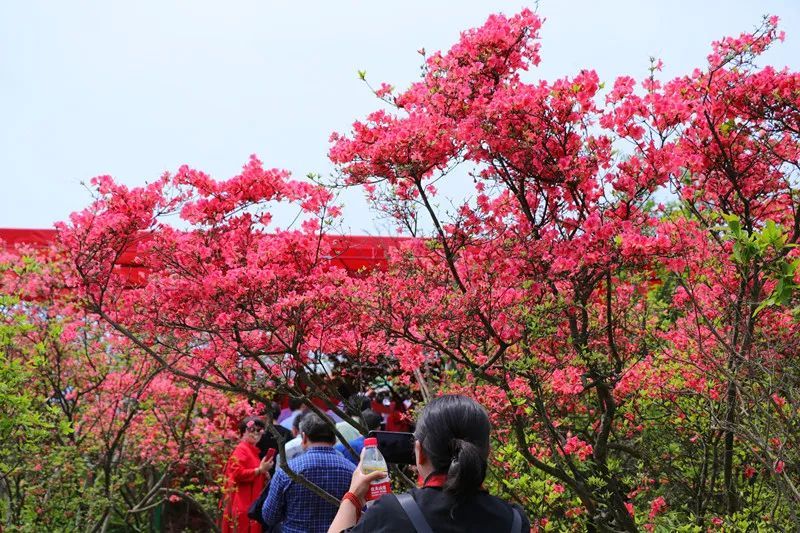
{"x":481,"y":512}
{"x":268,"y":441}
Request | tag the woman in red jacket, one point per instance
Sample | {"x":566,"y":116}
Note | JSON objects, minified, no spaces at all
{"x":245,"y":476}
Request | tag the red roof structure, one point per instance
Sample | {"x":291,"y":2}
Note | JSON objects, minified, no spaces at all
{"x":354,"y":252}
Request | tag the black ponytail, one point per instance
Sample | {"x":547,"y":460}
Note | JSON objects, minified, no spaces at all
{"x":467,"y":469}
{"x":454,"y":433}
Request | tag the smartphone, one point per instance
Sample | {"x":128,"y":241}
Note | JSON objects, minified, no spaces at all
{"x":395,"y":446}
{"x":270,"y":454}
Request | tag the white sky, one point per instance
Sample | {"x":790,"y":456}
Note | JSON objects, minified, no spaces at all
{"x":133,"y":89}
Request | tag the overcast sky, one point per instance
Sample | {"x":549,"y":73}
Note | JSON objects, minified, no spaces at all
{"x":133,"y":89}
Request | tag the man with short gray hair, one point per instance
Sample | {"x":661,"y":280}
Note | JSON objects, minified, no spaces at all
{"x":291,"y":504}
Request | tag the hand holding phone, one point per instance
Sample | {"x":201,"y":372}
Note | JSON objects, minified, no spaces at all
{"x":270,"y":454}
{"x":268,"y":461}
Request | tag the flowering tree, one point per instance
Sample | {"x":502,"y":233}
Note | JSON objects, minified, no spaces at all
{"x":636,"y":358}
{"x":733,"y":128}
{"x":90,"y":410}
{"x":228,"y":302}
{"x":531,"y":286}
{"x":548,"y":289}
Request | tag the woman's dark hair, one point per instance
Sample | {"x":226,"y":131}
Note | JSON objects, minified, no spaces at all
{"x":371,"y":419}
{"x":453,"y":430}
{"x":276,"y":411}
{"x":249,"y":422}
{"x":272,"y":410}
{"x":357,"y":403}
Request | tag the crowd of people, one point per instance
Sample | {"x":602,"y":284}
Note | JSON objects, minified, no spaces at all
{"x":451,"y":452}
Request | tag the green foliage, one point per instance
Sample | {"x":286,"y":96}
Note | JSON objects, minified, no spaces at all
{"x":55,"y":475}
{"x":550,"y":504}
{"x":769,"y":246}
{"x":26,"y":422}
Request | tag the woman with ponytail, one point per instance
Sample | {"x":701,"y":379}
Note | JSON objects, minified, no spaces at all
{"x":452,"y":450}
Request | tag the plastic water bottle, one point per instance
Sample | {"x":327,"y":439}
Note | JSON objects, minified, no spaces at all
{"x":373,"y":461}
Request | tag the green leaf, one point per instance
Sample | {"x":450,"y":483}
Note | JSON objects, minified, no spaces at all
{"x":764,"y":304}
{"x":733,"y":223}
{"x":726,"y":127}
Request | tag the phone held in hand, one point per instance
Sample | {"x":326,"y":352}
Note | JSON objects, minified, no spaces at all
{"x":396,"y":447}
{"x":270,"y":454}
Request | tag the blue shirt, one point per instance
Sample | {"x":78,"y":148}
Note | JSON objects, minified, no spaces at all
{"x":357,"y":445}
{"x":296,"y":508}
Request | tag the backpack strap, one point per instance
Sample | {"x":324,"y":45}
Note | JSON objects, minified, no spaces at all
{"x":414,"y":513}
{"x":516,"y":524}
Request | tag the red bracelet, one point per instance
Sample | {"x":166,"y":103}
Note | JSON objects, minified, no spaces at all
{"x":356,"y":501}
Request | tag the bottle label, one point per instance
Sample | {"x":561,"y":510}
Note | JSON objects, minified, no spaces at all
{"x":378,"y":489}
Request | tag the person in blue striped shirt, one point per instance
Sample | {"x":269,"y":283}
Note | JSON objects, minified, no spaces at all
{"x":293,"y":506}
